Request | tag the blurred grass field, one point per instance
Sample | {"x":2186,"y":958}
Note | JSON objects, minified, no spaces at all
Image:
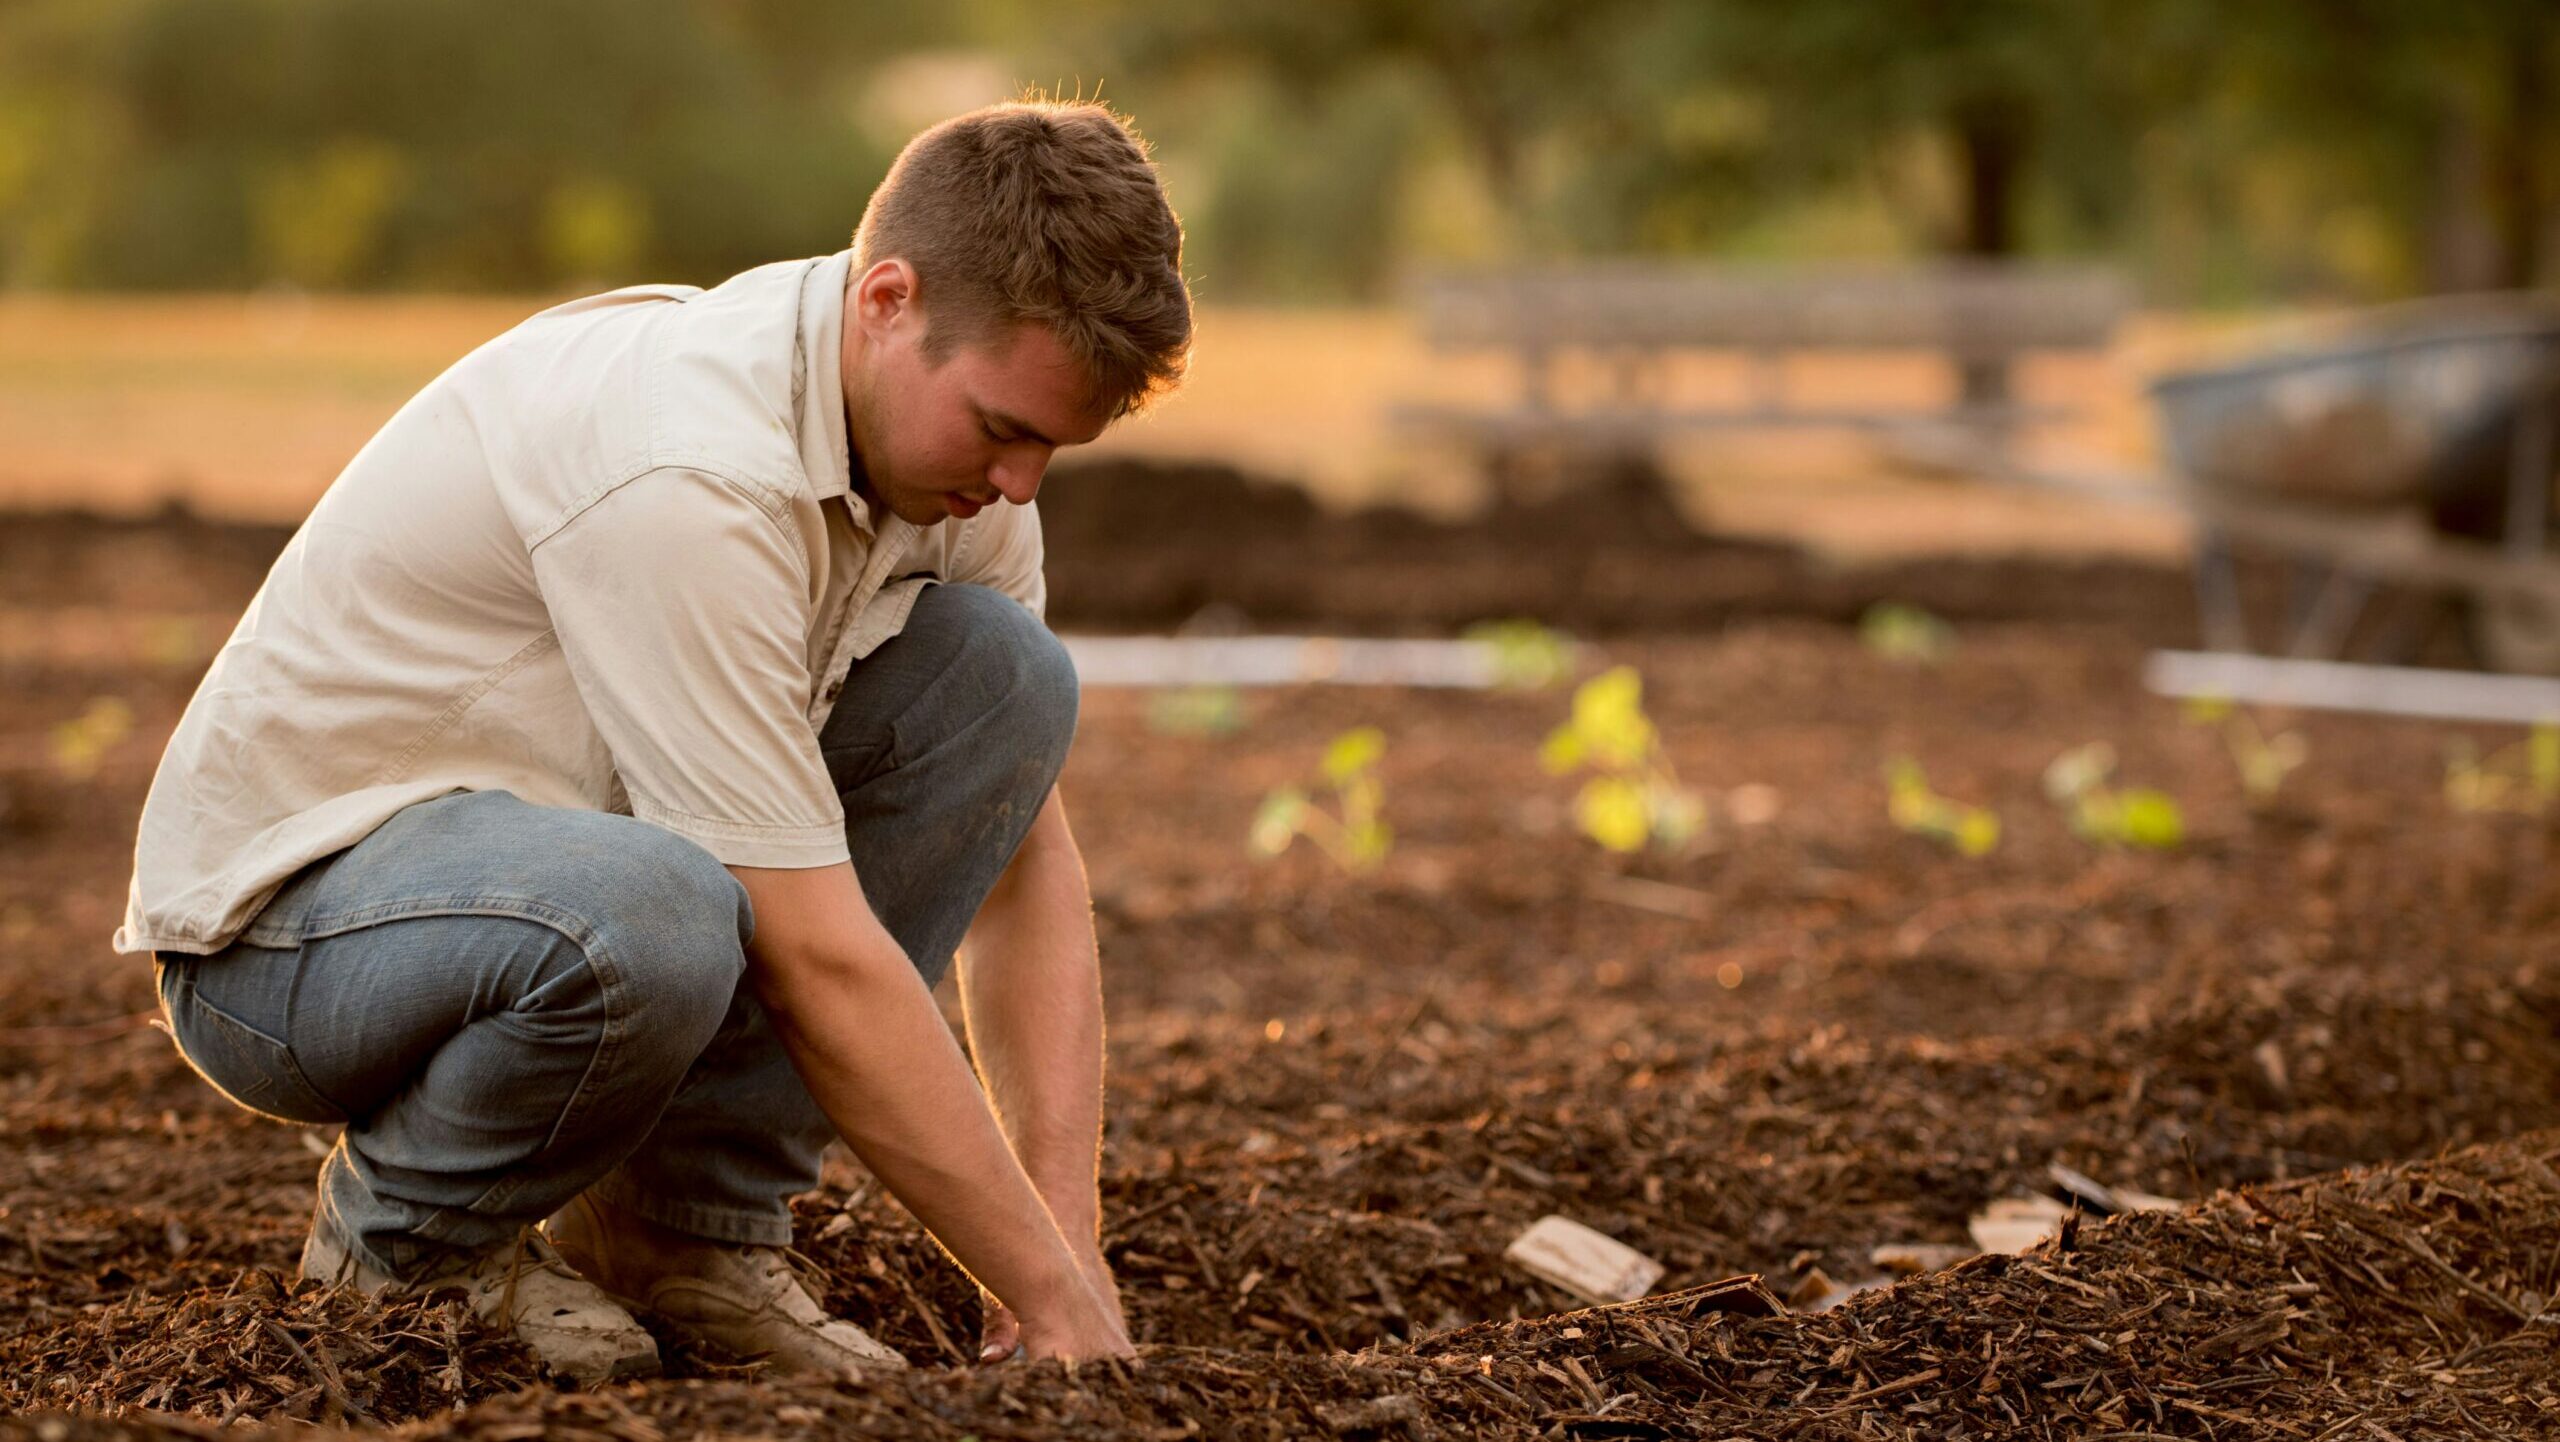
{"x":246,"y":406}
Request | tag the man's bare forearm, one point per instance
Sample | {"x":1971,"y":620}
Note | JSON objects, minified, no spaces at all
{"x":867,"y":1039}
{"x":1031,"y":986}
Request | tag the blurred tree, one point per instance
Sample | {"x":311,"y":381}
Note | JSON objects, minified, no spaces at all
{"x":1560,"y":105}
{"x":2019,"y":91}
{"x":2285,"y":147}
{"x":322,"y":221}
{"x":2453,"y":108}
{"x":516,"y":143}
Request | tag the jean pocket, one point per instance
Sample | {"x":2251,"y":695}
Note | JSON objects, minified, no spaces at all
{"x":253,"y":1069}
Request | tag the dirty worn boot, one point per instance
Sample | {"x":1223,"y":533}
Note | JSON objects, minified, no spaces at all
{"x":521,"y":1286}
{"x":744,"y":1300}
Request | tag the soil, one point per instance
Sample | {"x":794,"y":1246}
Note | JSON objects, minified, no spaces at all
{"x":2331,"y":1022}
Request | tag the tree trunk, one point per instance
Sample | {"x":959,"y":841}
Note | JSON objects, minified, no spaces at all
{"x":2516,"y":165}
{"x":1992,"y":131}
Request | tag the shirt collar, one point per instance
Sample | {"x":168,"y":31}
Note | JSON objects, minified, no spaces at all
{"x":824,"y":447}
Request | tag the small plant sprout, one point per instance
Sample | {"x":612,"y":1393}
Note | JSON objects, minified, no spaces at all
{"x":2263,"y":760}
{"x":2523,"y":778}
{"x":1525,"y":655}
{"x":1633,"y":795}
{"x":81,"y":743}
{"x":1971,"y":830}
{"x":1904,"y":633}
{"x":1352,"y":833}
{"x":1196,"y":711}
{"x":2110,"y":815}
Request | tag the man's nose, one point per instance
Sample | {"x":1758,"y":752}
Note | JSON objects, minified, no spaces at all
{"x":1016,"y":476}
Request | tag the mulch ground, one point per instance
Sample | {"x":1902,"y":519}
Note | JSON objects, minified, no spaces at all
{"x":2333,"y":1023}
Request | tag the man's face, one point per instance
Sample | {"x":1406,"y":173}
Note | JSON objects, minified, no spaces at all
{"x":938,"y":441}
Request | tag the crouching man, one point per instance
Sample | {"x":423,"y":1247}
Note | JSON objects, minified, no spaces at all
{"x":588,"y":801}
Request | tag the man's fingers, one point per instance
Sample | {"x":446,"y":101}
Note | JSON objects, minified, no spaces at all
{"x":1002,"y":1336}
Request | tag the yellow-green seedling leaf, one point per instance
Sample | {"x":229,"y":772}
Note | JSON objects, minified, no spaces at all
{"x":2542,"y":760}
{"x":1676,"y":815}
{"x":1608,"y":714}
{"x":1898,"y":631}
{"x":2207,"y":710}
{"x":1908,"y":799}
{"x":1275,"y":823}
{"x":81,"y":743}
{"x":1526,"y":655}
{"x":1612,"y":812}
{"x":1196,"y":711}
{"x":1562,"y":752}
{"x":1978,"y":832}
{"x":2263,"y":767}
{"x":2149,"y":818}
{"x":2464,"y":782}
{"x":1624,"y":743}
{"x":2096,"y":816}
{"x":2079,"y":770}
{"x":1366,"y":843}
{"x":1361,"y":797}
{"x":1353,"y":752}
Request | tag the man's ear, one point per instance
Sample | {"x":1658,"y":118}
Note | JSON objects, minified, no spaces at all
{"x":886,"y":296}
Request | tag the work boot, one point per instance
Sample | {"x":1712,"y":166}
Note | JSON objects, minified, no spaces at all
{"x":744,"y":1300}
{"x":521,"y":1286}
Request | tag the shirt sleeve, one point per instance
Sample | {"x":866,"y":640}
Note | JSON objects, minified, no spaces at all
{"x":1004,"y":551}
{"x":682,"y":609}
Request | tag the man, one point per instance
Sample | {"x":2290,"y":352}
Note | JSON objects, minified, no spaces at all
{"x":585,"y":806}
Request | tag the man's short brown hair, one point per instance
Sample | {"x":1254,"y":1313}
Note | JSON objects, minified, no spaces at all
{"x":1041,"y":210}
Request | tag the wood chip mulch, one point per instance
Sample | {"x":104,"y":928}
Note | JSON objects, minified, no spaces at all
{"x":2405,"y":1301}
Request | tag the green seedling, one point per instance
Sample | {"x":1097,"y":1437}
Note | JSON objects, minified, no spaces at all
{"x":1526,"y":656}
{"x":2523,"y":778}
{"x":1196,"y":711}
{"x":81,"y":743}
{"x":2110,"y":815}
{"x":1905,"y":633}
{"x":172,"y":642}
{"x":1971,"y":830}
{"x":1633,"y":795}
{"x":1352,"y":833}
{"x":2263,"y":760}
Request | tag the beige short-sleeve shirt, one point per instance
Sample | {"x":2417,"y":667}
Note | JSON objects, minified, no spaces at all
{"x":612,"y":559}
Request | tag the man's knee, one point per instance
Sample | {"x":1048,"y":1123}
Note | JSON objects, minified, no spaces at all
{"x":667,"y":937}
{"x":1011,"y":664}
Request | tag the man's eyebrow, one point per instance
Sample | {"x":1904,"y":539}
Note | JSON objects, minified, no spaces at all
{"x":1005,"y":422}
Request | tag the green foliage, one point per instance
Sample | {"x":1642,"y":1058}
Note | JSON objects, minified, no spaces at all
{"x":1316,"y":151}
{"x":1353,"y":833}
{"x":361,"y":143}
{"x":2263,"y":760}
{"x":1526,"y":656}
{"x":1906,"y":633}
{"x":2078,"y":781}
{"x":1634,"y":795}
{"x":1914,"y":807}
{"x":2523,"y":778}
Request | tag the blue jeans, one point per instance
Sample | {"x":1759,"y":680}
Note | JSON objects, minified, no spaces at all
{"x":506,"y":1004}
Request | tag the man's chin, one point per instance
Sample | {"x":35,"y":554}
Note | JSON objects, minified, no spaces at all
{"x":920,"y":510}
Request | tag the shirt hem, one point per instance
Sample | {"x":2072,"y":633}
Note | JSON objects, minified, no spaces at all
{"x":736,"y":843}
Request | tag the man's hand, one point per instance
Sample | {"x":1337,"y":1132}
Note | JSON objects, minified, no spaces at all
{"x":1001,"y":1336}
